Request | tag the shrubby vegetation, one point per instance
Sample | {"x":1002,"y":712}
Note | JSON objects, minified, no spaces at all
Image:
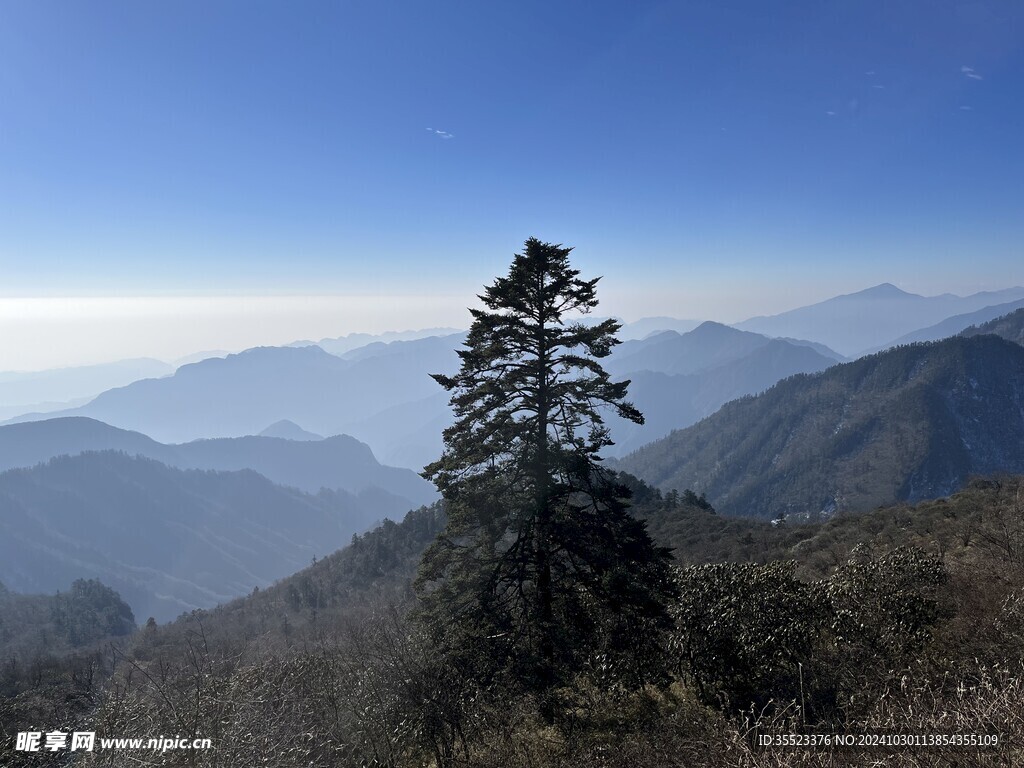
{"x":325,"y":667}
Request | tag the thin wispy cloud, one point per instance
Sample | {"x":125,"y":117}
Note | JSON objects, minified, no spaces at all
{"x":442,"y":134}
{"x":830,"y":113}
{"x":969,"y":72}
{"x":965,"y":108}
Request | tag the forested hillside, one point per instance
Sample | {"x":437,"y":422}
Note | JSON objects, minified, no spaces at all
{"x":167,"y":540}
{"x":40,"y":625}
{"x":906,"y":424}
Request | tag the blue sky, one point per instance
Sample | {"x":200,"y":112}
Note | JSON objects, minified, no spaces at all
{"x":709,"y":158}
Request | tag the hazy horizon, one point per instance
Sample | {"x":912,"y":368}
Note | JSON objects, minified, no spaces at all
{"x":41,"y":333}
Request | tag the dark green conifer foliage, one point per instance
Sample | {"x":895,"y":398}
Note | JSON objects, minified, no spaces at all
{"x":541,"y":570}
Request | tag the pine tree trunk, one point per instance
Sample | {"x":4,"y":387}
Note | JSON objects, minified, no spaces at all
{"x":545,"y":600}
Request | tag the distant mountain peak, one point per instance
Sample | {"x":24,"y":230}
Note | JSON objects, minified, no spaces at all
{"x":313,"y":350}
{"x":713,"y":332}
{"x":855,"y":323}
{"x":710,"y":326}
{"x":661,"y":335}
{"x":289,"y":430}
{"x":882,"y":291}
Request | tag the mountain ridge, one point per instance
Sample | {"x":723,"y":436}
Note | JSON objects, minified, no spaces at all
{"x":338,"y":463}
{"x":868,"y":319}
{"x":1009,"y":327}
{"x":900,"y":425}
{"x":951,"y":326}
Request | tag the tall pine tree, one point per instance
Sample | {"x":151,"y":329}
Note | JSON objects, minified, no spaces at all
{"x":541,"y":570}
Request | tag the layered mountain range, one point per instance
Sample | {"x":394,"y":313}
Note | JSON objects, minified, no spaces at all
{"x":243,"y":393}
{"x":382,"y":393}
{"x":189,"y":489}
{"x":335,"y":463}
{"x":82,"y":499}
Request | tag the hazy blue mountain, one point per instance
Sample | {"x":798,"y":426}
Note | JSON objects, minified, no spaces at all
{"x":35,"y":442}
{"x":645,"y":326}
{"x":60,"y":385}
{"x":428,"y":349}
{"x":1009,"y":327}
{"x":383,"y":395}
{"x":951,"y":326}
{"x":673,"y":401}
{"x":339,"y":462}
{"x":196,"y":357}
{"x":243,"y":393}
{"x":408,"y":434}
{"x":237,"y":395}
{"x":906,"y":424}
{"x":709,"y":345}
{"x":289,"y":430}
{"x":677,"y":380}
{"x":9,"y":412}
{"x":821,"y":349}
{"x":342,"y":344}
{"x":868,"y":319}
{"x":167,"y":540}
